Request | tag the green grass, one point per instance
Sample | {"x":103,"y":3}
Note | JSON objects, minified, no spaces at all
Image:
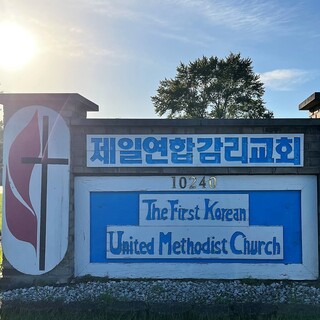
{"x":144,"y":315}
{"x":1,"y":211}
{"x":116,"y":310}
{"x":1,"y":229}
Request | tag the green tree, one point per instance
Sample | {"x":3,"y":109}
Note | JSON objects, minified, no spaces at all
{"x":213,"y":88}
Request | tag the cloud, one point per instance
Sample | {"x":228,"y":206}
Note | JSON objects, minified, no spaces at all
{"x":184,"y":20}
{"x":71,"y":41}
{"x":107,"y":8}
{"x":284,"y":79}
{"x":243,"y":15}
{"x":135,"y":11}
{"x":200,"y":40}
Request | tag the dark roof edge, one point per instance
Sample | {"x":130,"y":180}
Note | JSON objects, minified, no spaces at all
{"x":311,"y":103}
{"x":42,"y":98}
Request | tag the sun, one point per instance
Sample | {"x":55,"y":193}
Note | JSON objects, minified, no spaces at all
{"x":17,"y":46}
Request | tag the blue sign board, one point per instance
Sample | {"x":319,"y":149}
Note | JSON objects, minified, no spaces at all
{"x":264,"y":228}
{"x":189,"y":150}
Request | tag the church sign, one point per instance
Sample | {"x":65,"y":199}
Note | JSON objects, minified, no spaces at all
{"x":155,"y":198}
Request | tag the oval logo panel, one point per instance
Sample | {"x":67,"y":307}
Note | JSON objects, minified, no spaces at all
{"x":36,"y":189}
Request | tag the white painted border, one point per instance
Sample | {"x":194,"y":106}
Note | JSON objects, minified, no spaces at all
{"x":308,"y":270}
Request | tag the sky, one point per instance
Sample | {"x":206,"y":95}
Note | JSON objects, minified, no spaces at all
{"x":115,"y":52}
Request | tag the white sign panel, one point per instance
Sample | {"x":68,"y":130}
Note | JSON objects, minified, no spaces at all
{"x":210,"y":227}
{"x":195,"y":209}
{"x":194,"y":242}
{"x":187,"y":150}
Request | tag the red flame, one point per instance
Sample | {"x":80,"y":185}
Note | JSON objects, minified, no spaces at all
{"x":21,"y":220}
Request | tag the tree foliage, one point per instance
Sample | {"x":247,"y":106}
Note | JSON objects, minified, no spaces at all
{"x":213,"y":88}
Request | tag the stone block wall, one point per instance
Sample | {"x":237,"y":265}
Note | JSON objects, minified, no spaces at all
{"x":309,"y":127}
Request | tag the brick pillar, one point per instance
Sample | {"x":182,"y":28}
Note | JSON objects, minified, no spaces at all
{"x":70,"y":107}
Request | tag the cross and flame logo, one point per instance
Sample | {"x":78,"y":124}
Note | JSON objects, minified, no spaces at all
{"x":30,"y":150}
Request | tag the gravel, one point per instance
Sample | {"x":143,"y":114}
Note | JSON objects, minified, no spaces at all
{"x":170,"y":291}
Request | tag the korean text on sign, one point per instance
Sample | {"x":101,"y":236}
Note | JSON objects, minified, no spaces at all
{"x":195,"y":150}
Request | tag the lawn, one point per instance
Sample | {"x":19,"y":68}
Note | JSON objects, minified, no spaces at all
{"x":1,"y":211}
{"x":0,"y":230}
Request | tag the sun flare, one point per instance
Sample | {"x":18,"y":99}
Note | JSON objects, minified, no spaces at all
{"x":17,"y":46}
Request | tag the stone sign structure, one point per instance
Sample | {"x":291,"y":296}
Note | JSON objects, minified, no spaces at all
{"x":156,"y":198}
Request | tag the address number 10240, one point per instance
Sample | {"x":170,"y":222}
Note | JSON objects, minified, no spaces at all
{"x":194,"y":182}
